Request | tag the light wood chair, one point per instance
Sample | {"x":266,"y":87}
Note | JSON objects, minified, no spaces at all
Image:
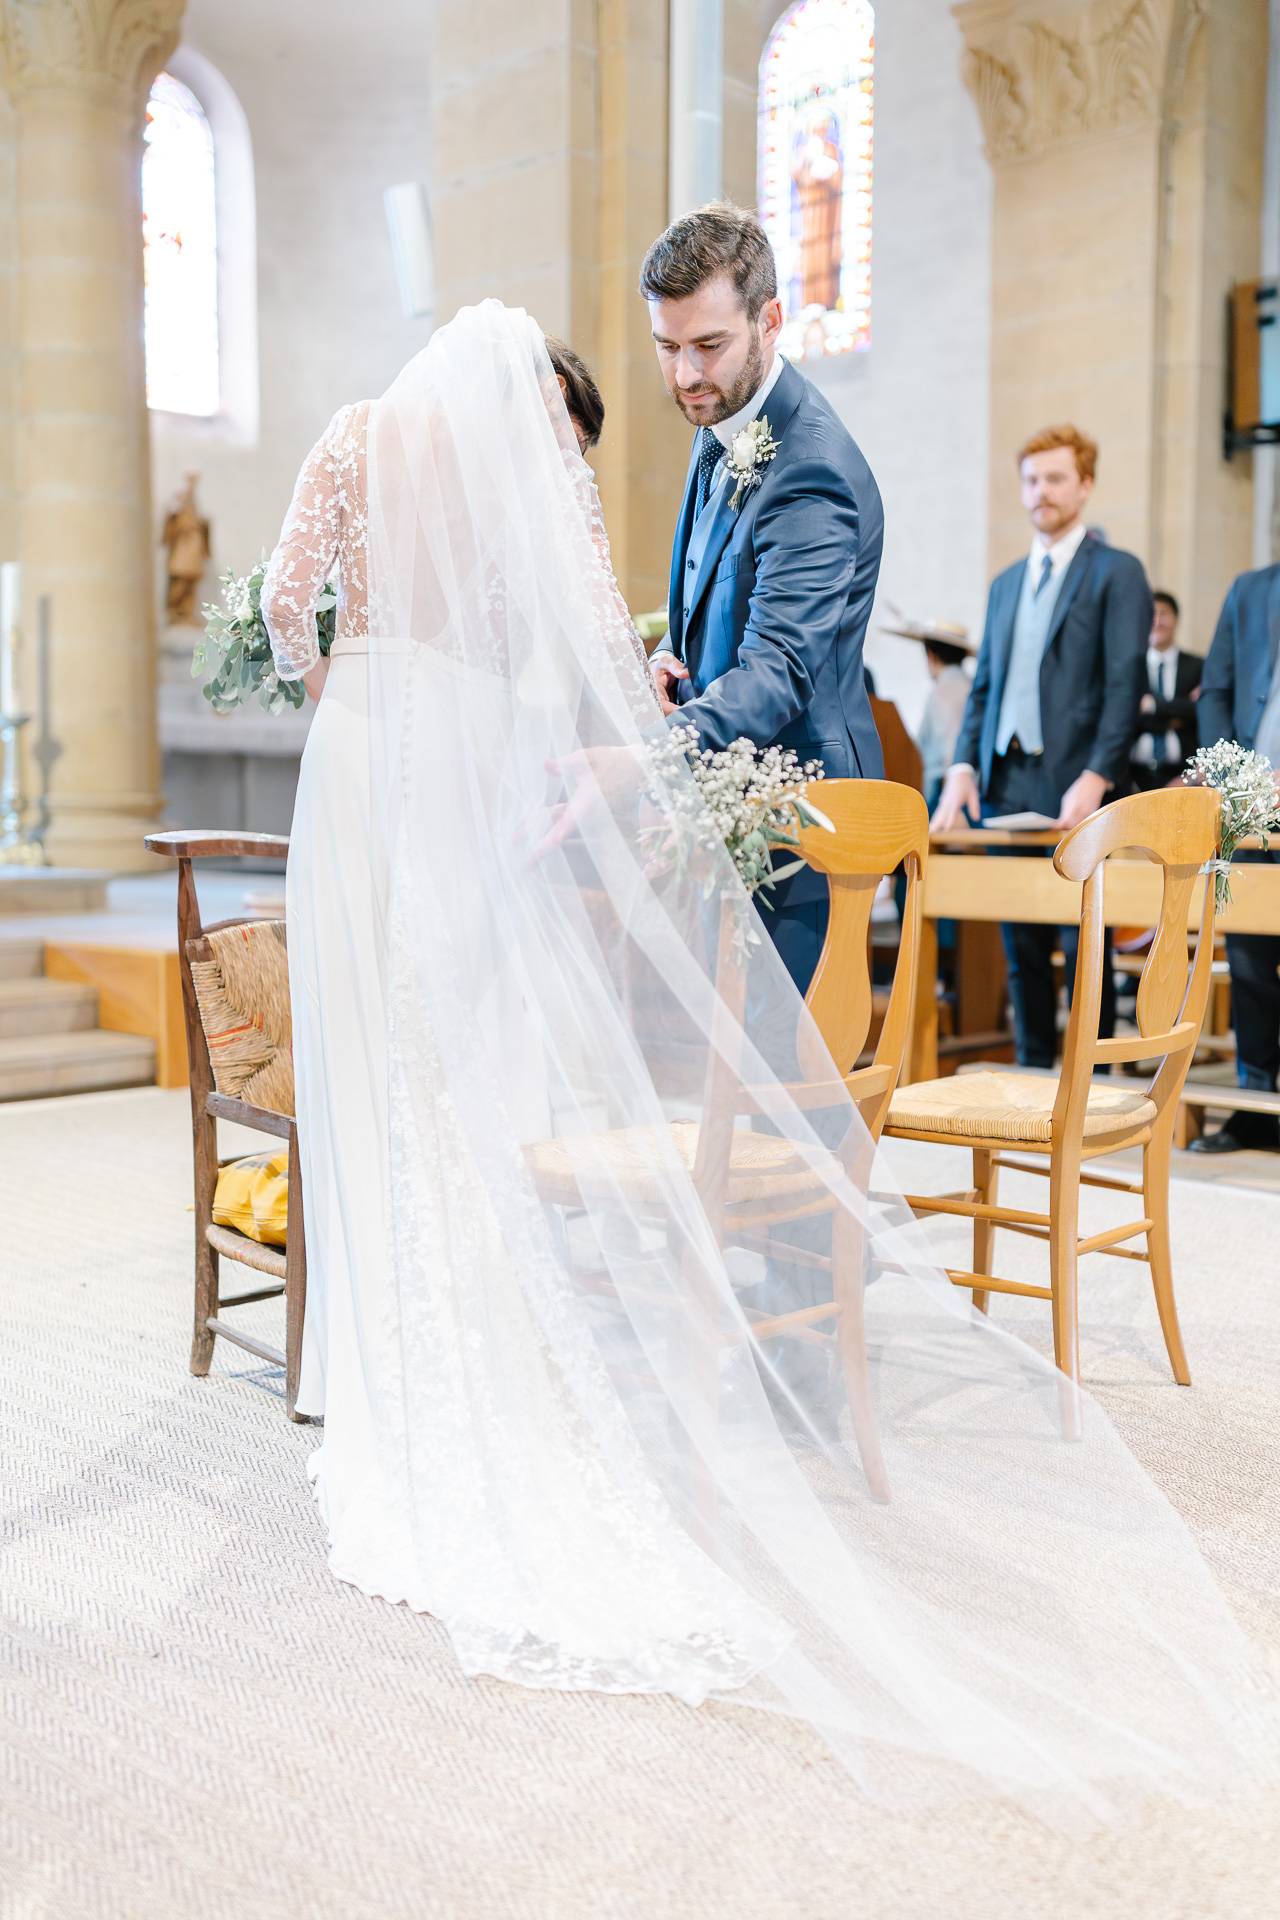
{"x":1077,"y":1119}
{"x":285,"y":1268}
{"x":749,"y":1183}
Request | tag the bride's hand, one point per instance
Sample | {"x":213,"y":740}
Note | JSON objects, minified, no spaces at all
{"x":599,"y":781}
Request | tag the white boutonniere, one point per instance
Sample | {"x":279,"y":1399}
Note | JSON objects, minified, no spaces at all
{"x":750,"y":451}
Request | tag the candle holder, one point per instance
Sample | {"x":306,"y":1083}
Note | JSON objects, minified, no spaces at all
{"x":17,"y":849}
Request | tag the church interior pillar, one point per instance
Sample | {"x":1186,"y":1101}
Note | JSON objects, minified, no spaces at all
{"x":78,"y":75}
{"x":1125,"y":147}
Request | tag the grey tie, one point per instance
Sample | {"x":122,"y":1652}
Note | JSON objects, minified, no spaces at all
{"x":710,"y":454}
{"x":1046,"y":570}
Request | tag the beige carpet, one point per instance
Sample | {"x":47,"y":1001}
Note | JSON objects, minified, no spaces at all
{"x":199,"y":1721}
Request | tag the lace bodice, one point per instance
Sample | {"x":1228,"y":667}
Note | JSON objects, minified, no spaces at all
{"x":325,"y":530}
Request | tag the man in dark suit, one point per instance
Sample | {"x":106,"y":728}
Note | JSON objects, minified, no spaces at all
{"x":771,"y":581}
{"x":1054,"y":705}
{"x":1240,"y":700}
{"x":1167,"y":714}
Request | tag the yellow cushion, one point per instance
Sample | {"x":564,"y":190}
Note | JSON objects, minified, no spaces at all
{"x":761,"y":1167}
{"x":252,"y":1195}
{"x":1009,"y":1106}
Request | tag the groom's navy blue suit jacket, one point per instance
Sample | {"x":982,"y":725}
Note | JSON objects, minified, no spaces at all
{"x":781,"y":601}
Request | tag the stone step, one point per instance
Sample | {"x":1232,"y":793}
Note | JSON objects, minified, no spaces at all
{"x":21,"y":959}
{"x":44,"y":1063}
{"x":52,"y":890}
{"x":38,"y":1006}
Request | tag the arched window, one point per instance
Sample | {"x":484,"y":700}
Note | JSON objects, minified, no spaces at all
{"x":815,"y":172}
{"x":180,"y":253}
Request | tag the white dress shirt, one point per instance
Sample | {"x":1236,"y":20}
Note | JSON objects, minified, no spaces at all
{"x":1162,"y":679}
{"x":1061,"y":552}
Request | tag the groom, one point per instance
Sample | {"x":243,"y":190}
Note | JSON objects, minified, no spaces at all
{"x":771,"y":581}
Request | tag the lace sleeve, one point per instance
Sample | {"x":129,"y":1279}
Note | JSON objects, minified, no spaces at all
{"x":304,"y":558}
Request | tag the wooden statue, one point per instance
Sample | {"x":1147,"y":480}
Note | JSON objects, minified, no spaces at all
{"x":186,"y":536}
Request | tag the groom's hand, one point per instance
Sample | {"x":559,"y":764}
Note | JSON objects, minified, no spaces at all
{"x":667,"y":673}
{"x":958,"y":803}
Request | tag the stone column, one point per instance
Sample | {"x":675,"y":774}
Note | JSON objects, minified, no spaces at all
{"x":78,"y":73}
{"x":1125,"y":138}
{"x":642,"y":459}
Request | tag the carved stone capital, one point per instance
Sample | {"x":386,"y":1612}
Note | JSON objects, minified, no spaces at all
{"x":1047,"y":71}
{"x":117,"y":44}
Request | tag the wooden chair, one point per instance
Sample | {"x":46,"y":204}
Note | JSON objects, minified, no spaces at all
{"x":1078,"y":1119}
{"x":749,"y":1183}
{"x":285,"y":1268}
{"x":902,"y":761}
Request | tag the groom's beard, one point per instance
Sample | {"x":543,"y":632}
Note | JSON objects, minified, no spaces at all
{"x":732,"y":399}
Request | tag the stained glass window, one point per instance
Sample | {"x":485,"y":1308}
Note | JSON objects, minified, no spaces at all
{"x":815,"y":172}
{"x":180,"y":252}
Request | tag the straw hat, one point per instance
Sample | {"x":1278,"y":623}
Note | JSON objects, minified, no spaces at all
{"x":946,"y":632}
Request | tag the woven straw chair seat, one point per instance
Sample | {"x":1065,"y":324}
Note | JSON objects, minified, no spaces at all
{"x":242,"y":992}
{"x":1010,"y":1107}
{"x":597,"y":1165}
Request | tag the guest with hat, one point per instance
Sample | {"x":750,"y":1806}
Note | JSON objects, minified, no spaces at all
{"x":947,"y":647}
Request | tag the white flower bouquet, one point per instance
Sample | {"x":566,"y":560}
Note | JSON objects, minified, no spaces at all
{"x":1247,"y":785}
{"x":747,"y":799}
{"x":236,"y":644}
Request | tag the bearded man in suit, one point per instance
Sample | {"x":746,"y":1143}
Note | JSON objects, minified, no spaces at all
{"x":771,"y":581}
{"x":1054,"y":707}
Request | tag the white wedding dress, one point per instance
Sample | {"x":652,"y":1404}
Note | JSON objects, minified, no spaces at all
{"x":507,"y":1446}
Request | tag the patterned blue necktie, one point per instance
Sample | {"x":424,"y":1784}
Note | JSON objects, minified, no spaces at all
{"x":710,"y":454}
{"x":1046,"y":569}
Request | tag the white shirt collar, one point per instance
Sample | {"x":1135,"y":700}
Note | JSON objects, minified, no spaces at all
{"x":1061,"y":554}
{"x":724,"y":430}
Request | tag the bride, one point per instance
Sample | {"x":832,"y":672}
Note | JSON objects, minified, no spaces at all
{"x":535,"y":1425}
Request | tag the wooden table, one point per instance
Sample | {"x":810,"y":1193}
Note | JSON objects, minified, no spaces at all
{"x":960,"y":886}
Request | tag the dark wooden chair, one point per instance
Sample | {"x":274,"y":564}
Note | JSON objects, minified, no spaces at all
{"x":285,"y":1268}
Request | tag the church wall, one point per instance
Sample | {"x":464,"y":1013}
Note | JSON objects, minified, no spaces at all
{"x":541,"y":129}
{"x":335,"y":117}
{"x":10,"y":359}
{"x":917,"y":400}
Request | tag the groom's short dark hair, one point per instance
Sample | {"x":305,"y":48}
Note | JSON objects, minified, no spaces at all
{"x":702,"y":245}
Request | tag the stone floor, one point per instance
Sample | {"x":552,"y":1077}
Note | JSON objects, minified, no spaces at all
{"x":199,"y":1721}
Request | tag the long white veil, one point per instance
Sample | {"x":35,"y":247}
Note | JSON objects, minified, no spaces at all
{"x":600,"y":1478}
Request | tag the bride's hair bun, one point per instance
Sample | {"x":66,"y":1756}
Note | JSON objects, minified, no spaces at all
{"x":581,"y":394}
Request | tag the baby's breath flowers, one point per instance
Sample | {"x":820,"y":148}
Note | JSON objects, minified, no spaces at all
{"x":745,"y":799}
{"x":1247,"y":785}
{"x":237,"y":645}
